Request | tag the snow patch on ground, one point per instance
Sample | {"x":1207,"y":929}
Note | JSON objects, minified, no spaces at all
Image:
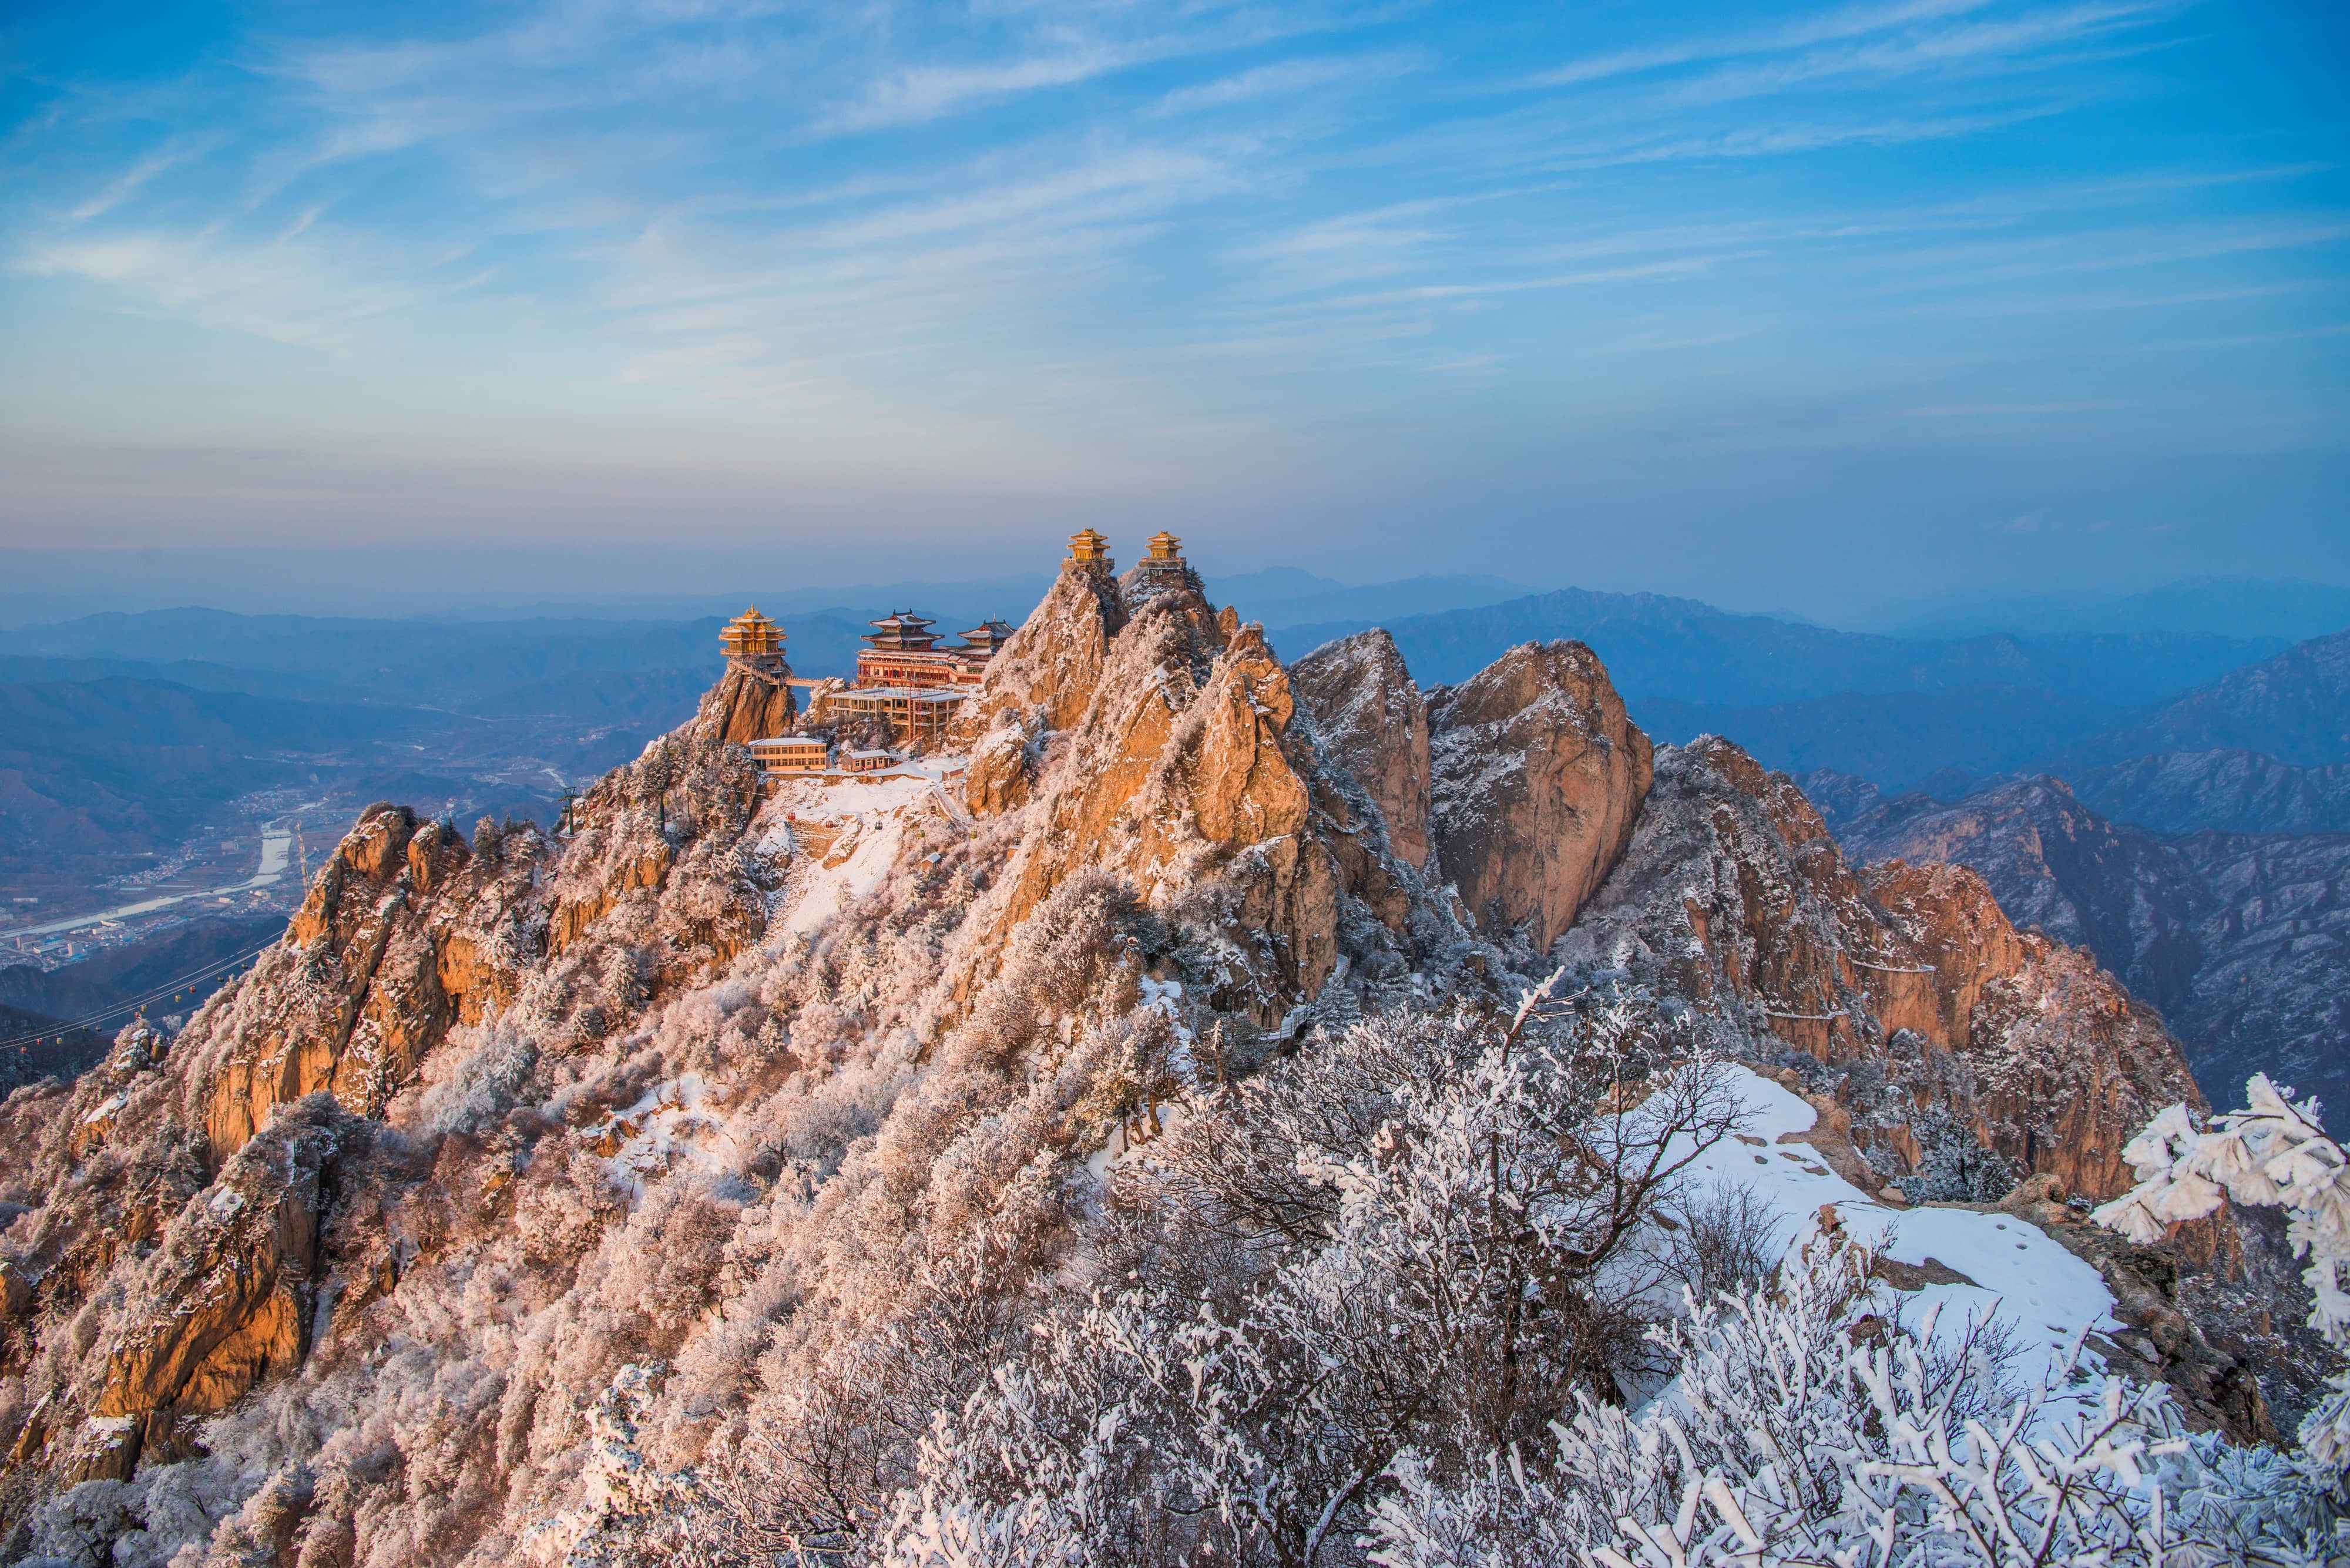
{"x":2050,"y":1297}
{"x":839,"y":838}
{"x":676,"y":1121}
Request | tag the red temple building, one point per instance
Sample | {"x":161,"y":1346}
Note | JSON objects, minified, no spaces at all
{"x":905,"y":681}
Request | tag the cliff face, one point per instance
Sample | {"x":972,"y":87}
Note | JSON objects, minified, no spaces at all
{"x":1049,"y":669}
{"x":1538,"y":777}
{"x":1904,"y":996}
{"x":741,"y":1104}
{"x":1165,"y":748}
{"x":402,"y":934}
{"x":745,"y":705}
{"x":1374,"y":719}
{"x":2242,"y":939}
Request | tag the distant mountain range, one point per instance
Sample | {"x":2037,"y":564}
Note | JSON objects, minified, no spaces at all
{"x":2201,"y":850}
{"x":2242,"y":940}
{"x":1683,"y":651}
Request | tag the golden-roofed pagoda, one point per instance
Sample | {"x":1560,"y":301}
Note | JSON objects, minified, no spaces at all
{"x":752,"y":635}
{"x":1164,"y":569}
{"x":1089,"y":550}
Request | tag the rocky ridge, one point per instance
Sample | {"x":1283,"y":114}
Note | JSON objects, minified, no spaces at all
{"x":761,"y":1092}
{"x":2242,"y":940}
{"x":2223,"y":792}
{"x":1538,"y":777}
{"x":1960,"y":1053}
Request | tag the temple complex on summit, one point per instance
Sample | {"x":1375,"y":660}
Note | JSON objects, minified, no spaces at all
{"x":987,"y":639}
{"x":907,"y":684}
{"x":906,"y":680}
{"x":902,"y":650}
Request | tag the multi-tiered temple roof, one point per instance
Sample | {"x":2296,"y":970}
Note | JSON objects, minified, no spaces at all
{"x":903,"y":631}
{"x":1164,"y":568}
{"x":987,"y":640}
{"x":751,"y":637}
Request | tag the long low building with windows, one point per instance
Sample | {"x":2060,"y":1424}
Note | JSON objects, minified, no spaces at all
{"x":919,"y":716}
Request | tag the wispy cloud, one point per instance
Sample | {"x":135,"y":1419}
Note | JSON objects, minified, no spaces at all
{"x":1286,"y":79}
{"x":1055,"y":218}
{"x":285,"y":293}
{"x":917,"y":93}
{"x":1827,"y":26}
{"x":130,"y":180}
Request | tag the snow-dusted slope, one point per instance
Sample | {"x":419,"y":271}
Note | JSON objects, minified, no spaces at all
{"x":732,"y":1141}
{"x":2013,"y":1268}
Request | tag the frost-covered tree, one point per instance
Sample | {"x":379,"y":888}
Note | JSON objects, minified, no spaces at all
{"x":2273,"y":1154}
{"x":1809,"y":1429}
{"x":1426,"y":1235}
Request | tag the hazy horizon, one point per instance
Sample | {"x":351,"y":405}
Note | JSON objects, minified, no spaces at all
{"x":352,"y":586}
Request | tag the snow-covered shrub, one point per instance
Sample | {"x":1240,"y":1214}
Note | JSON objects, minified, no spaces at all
{"x":1422,"y":1233}
{"x":1724,"y":1238}
{"x":2274,"y":1154}
{"x":1807,"y":1429}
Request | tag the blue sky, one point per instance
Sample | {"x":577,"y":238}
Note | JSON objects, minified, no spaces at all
{"x":1786,"y":306}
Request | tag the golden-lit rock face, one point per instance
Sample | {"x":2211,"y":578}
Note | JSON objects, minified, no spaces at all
{"x":1047,"y":671}
{"x":1179,"y":771}
{"x":1538,"y":777}
{"x":208,"y":1172}
{"x":1909,"y":980}
{"x":1000,"y":774}
{"x":229,"y":1291}
{"x":390,"y":949}
{"x":745,"y":706}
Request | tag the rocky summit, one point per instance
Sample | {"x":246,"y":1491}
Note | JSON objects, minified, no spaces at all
{"x":529,"y":1176}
